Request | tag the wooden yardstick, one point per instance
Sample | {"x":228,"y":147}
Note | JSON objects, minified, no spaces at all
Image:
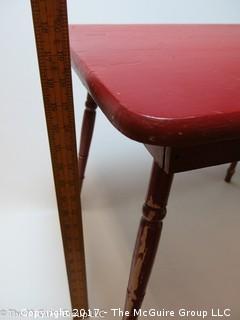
{"x":51,"y":33}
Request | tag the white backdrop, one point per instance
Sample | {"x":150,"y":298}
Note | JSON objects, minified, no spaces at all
{"x":154,"y":11}
{"x":32,"y":273}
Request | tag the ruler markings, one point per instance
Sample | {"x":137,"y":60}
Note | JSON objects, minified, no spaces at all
{"x":51,"y":32}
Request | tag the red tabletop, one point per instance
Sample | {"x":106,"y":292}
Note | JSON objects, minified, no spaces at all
{"x":163,"y":84}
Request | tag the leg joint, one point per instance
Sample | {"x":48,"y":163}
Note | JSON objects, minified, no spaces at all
{"x":154,"y":213}
{"x":90,"y":103}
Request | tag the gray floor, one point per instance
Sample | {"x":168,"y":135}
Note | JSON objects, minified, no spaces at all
{"x":198,"y":261}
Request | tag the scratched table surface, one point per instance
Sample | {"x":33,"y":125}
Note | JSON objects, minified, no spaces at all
{"x":163,"y":84}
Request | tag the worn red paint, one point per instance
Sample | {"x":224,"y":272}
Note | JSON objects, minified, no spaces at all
{"x":147,"y":241}
{"x":175,"y":86}
{"x":163,"y":84}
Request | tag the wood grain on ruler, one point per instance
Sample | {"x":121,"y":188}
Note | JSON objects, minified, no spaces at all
{"x":51,"y":33}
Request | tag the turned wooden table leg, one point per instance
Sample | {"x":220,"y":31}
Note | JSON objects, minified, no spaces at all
{"x":230,"y":171}
{"x":86,"y":136}
{"x":154,"y":210}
